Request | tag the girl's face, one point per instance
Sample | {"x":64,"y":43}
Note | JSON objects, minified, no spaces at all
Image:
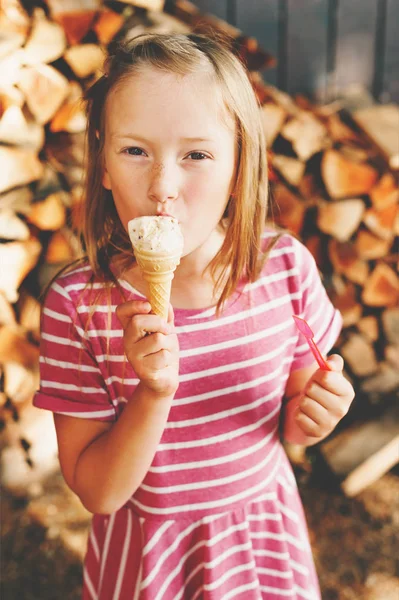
{"x":170,"y":148}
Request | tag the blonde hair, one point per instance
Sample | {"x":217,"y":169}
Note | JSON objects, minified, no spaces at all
{"x":245,"y":216}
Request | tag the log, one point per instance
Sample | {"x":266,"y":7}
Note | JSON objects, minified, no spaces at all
{"x":291,"y":169}
{"x":390,"y":324}
{"x":147,"y":4}
{"x":107,"y":25}
{"x":59,"y":249}
{"x":7,"y":315}
{"x":273,"y":117}
{"x":49,"y":214}
{"x":16,"y":130}
{"x":17,"y":259}
{"x":359,"y":354}
{"x":45,"y":90}
{"x":29,"y":309}
{"x":381,"y":124}
{"x":340,"y":219}
{"x":385,"y":192}
{"x":382,"y":222}
{"x":344,"y":178}
{"x":338,"y":131}
{"x":383,"y":382}
{"x":17,"y":200}
{"x":345,"y":260}
{"x":14,"y":27}
{"x":75,"y":16}
{"x":288,"y":210}
{"x":47,"y":41}
{"x":371,"y":247}
{"x":84,"y":59}
{"x":368,"y":326}
{"x":15,"y":347}
{"x":11,"y":68}
{"x":344,"y":298}
{"x":307,"y":135}
{"x":382,"y":287}
{"x":71,"y":116}
{"x":12,"y":227}
{"x":363,"y":452}
{"x":20,"y":383}
{"x":18,"y":167}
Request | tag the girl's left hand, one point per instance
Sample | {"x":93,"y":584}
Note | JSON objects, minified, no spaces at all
{"x":326,"y":400}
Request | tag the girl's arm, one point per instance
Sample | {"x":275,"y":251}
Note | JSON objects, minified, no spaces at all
{"x":317,"y":401}
{"x":105,"y":463}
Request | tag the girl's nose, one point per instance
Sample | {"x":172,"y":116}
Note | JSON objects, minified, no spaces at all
{"x":164,"y":185}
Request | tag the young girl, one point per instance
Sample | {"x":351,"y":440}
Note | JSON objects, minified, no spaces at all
{"x":172,"y":439}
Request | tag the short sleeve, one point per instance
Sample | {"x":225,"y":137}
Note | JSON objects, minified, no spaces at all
{"x":313,"y":305}
{"x":71,"y":381}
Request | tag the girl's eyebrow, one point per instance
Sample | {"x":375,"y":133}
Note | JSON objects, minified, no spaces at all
{"x":139,"y":138}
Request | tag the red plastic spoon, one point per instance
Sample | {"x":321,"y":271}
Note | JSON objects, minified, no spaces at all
{"x":308,"y":333}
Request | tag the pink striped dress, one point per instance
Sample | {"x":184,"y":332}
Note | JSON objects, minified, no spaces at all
{"x":218,"y":515}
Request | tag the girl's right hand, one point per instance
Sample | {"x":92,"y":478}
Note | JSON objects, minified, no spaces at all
{"x":151,"y":346}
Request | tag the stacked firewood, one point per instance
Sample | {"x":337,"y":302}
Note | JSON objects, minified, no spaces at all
{"x":332,"y":181}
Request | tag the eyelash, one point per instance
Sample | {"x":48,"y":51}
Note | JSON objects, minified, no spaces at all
{"x":127,"y":151}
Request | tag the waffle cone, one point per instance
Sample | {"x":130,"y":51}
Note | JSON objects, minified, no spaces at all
{"x":158,"y":271}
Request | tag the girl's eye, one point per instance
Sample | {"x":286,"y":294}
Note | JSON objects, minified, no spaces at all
{"x":198,"y":155}
{"x":134,"y":151}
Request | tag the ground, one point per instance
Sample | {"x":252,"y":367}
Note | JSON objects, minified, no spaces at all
{"x":355,"y":541}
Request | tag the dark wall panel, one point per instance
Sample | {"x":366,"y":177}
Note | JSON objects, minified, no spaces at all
{"x":259,"y":19}
{"x":391,"y":63}
{"x":356,"y":29}
{"x":307,"y":27}
{"x":215,"y":7}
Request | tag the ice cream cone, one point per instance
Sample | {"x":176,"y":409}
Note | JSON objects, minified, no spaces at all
{"x":158,"y":271}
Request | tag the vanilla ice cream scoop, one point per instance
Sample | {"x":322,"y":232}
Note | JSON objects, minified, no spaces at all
{"x":158,"y":245}
{"x":156,"y":234}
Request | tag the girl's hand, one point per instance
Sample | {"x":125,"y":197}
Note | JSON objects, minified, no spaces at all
{"x":151,"y":346}
{"x":327,"y":398}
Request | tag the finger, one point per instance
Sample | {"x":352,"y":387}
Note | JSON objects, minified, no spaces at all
{"x":316,"y":412}
{"x":127,"y":310}
{"x":331,"y":381}
{"x":141,"y":325}
{"x":336,"y":362}
{"x":330,"y":401}
{"x":156,"y":342}
{"x":307,"y":425}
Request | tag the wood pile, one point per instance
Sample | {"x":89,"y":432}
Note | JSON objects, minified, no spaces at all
{"x":333,"y":183}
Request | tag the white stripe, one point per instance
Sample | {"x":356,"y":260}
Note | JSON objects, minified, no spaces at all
{"x":77,"y":270}
{"x":76,"y":287}
{"x":94,"y":414}
{"x":268,"y":279}
{"x":287,"y":487}
{"x":94,"y":543}
{"x":261,"y":552}
{"x":265,"y":516}
{"x":100,"y":308}
{"x":199,"y":464}
{"x":253,"y":337}
{"x":165,"y":555}
{"x":251,"y":362}
{"x":60,"y":290}
{"x":227,"y":575}
{"x":55,"y":315}
{"x":122,"y":565}
{"x":281,"y":537}
{"x":107,"y":333}
{"x":288,"y":512}
{"x":243,"y":315}
{"x":71,"y":387}
{"x":313,"y":595}
{"x":104,"y":556}
{"x":233,"y":389}
{"x":61,"y":340}
{"x":298,"y":567}
{"x":156,"y":537}
{"x":125,"y":380}
{"x":222,"y":437}
{"x":89,"y":585}
{"x":278,"y":591}
{"x":199,"y":485}
{"x":211,"y":504}
{"x":274,"y":572}
{"x":68,"y":365}
{"x":242,"y":588}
